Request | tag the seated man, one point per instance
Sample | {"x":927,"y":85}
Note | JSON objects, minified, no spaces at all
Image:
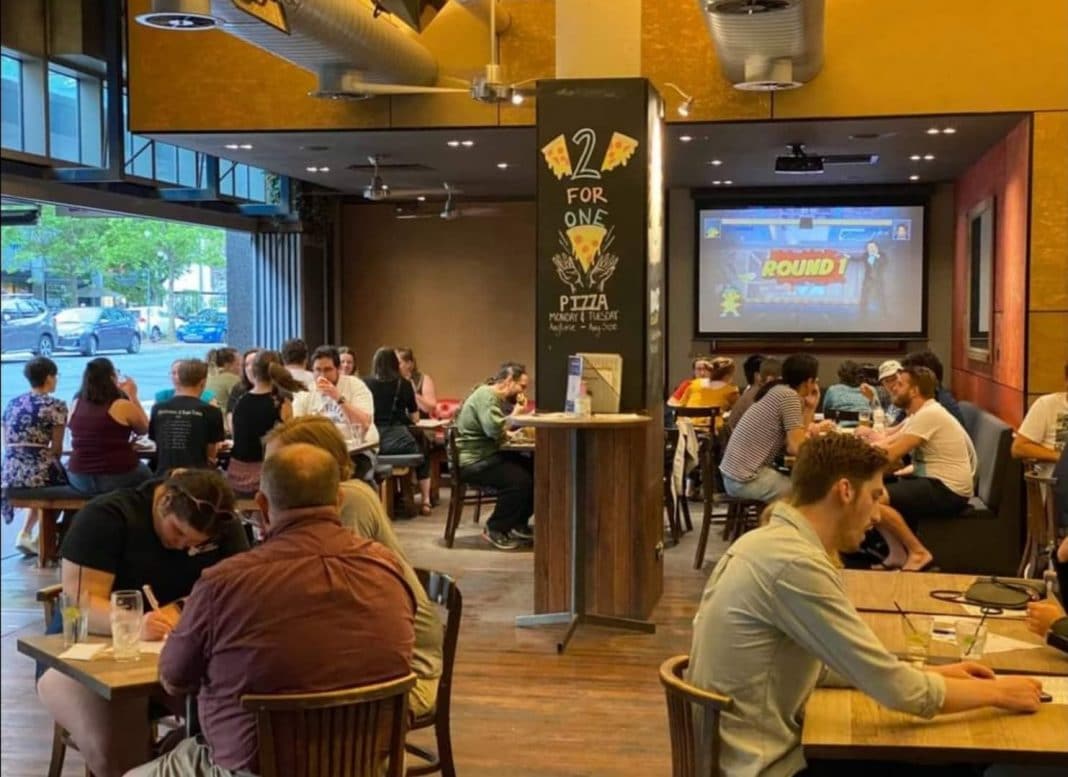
{"x":880,"y":395}
{"x":943,"y":458}
{"x":775,"y":616}
{"x":770,"y":370}
{"x":1043,"y":435}
{"x":1048,"y":618}
{"x":778,"y":420}
{"x":186,"y":429}
{"x":295,"y":359}
{"x":943,"y":396}
{"x":313,"y":608}
{"x":481,"y":428}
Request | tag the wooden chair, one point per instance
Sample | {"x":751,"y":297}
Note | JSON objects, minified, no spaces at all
{"x":51,"y":508}
{"x":443,"y":591}
{"x":676,"y":503}
{"x":1041,"y":533}
{"x":346,"y":733}
{"x":395,"y":485}
{"x":459,"y":497}
{"x":681,"y":698}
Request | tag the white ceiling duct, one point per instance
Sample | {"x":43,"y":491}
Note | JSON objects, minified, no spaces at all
{"x":327,"y":37}
{"x":767,"y":45}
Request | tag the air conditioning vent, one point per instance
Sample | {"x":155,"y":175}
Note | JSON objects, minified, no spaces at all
{"x":180,"y":16}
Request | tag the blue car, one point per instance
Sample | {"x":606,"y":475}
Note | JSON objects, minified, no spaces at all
{"x":207,"y":326}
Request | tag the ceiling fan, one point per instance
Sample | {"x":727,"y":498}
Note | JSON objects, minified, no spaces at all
{"x":379,"y":191}
{"x":450,"y":211}
{"x":489,"y":87}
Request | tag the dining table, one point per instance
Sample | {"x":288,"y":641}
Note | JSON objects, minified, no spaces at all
{"x":878,"y":591}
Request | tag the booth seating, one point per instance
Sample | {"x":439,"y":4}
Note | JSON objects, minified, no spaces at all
{"x":987,"y":538}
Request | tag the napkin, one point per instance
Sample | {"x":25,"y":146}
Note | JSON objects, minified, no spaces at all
{"x":83,"y":651}
{"x":152,"y":647}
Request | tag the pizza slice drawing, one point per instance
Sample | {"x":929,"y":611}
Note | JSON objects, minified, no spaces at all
{"x":557,"y":156}
{"x":586,"y":241}
{"x":620,"y":149}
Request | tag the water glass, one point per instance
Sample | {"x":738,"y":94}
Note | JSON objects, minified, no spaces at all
{"x":75,"y":616}
{"x":864,"y":418}
{"x":917,"y":633}
{"x":127,"y":609}
{"x":971,"y":637}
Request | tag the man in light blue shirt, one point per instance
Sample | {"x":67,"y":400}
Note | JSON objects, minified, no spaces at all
{"x":774,"y":618}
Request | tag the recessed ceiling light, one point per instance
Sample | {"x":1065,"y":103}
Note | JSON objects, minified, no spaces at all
{"x":312,"y":169}
{"x":933,"y":131}
{"x":327,"y":170}
{"x":728,"y":182}
{"x":948,"y":130}
{"x":517,"y":98}
{"x":928,"y":157}
{"x":245,"y":146}
{"x":716,"y":162}
{"x":915,"y":157}
{"x":453,"y":144}
{"x":716,"y":183}
{"x":231,"y":146}
{"x":421,"y":198}
{"x":502,"y":165}
{"x":914,"y":177}
{"x":686,"y":138}
{"x":467,"y":143}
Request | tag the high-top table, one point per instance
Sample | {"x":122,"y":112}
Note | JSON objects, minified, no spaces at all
{"x":597,"y":507}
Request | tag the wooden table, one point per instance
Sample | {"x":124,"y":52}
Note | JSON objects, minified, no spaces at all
{"x":877,"y":592}
{"x":842,"y":723}
{"x":1041,"y":660}
{"x":597,"y":497}
{"x":105,"y":676}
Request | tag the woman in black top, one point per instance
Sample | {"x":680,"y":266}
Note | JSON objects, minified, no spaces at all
{"x":425,"y":394}
{"x":163,"y":533}
{"x":255,"y":412}
{"x":395,"y":411}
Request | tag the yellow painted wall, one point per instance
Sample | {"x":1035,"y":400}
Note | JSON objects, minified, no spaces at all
{"x":882,"y":57}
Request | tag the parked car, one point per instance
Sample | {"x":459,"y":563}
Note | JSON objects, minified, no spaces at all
{"x":89,"y":330}
{"x":207,"y":326}
{"x":28,"y":325}
{"x":154,"y":322}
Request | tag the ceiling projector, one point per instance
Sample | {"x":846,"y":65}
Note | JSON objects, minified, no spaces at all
{"x":799,"y":165}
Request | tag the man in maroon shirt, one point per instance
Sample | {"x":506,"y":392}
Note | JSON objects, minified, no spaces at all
{"x":313,"y":608}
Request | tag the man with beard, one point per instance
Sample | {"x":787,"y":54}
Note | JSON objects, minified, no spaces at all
{"x":481,"y":429}
{"x":775,"y":617}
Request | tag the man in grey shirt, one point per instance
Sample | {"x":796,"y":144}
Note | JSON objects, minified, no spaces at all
{"x":774,"y":618}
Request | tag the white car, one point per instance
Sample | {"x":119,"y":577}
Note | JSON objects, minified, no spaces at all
{"x":153,"y":322}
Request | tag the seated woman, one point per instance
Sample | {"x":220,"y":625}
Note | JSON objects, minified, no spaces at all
{"x":363,"y":514}
{"x":714,"y":391}
{"x":846,"y":394}
{"x":348,"y":361}
{"x":702,"y":366}
{"x":246,"y":382}
{"x":163,"y":534}
{"x":34,"y":424}
{"x":425,"y":394}
{"x":224,"y":373}
{"x":254,"y":414}
{"x":104,"y":417}
{"x":395,"y":410}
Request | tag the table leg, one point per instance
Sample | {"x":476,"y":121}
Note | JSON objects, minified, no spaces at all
{"x":46,"y":537}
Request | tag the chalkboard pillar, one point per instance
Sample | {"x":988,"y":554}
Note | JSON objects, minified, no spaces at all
{"x":600,"y":235}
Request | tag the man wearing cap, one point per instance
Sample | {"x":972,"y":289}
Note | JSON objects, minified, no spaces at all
{"x":888,"y":371}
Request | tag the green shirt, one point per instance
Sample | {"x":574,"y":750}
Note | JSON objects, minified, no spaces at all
{"x":480,"y":426}
{"x":773,"y":618}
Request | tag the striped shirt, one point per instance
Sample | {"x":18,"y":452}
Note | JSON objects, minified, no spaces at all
{"x":761,"y":434}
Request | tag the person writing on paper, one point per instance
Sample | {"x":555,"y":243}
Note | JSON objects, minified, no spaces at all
{"x":163,"y":533}
{"x":311,"y":609}
{"x":777,"y":593}
{"x":1048,"y":618}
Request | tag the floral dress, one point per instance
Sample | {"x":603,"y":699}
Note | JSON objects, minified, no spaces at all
{"x":29,"y":421}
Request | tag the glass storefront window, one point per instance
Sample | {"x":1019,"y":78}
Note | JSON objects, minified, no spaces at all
{"x":11,"y":105}
{"x":63,"y":117}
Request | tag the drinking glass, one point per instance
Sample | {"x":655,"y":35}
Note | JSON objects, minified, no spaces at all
{"x":971,"y":637}
{"x":917,"y":632}
{"x":127,"y":608}
{"x":75,"y":616}
{"x":864,"y":418}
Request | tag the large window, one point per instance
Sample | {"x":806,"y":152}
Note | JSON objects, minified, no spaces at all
{"x":64,"y":134}
{"x":11,"y":106}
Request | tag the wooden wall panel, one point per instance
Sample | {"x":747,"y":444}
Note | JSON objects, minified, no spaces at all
{"x":1047,"y":351}
{"x":528,"y":51}
{"x":890,"y":57}
{"x":1049,"y":212}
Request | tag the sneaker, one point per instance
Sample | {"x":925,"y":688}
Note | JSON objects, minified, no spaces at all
{"x":523,"y":533}
{"x":500,"y":540}
{"x":25,"y":544}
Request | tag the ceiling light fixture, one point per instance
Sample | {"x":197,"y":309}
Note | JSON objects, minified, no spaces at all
{"x":914,"y":177}
{"x":453,"y":144}
{"x":421,"y":198}
{"x":687,"y":101}
{"x":928,"y":157}
{"x":716,"y":183}
{"x":517,"y":98}
{"x":467,"y":143}
{"x":502,"y":165}
{"x":915,"y":157}
{"x":716,"y":162}
{"x":933,"y":131}
{"x":949,"y":130}
{"x":314,"y":169}
{"x":728,"y":182}
{"x":231,"y":146}
{"x":686,"y":138}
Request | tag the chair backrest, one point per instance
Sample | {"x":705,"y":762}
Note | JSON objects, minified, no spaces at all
{"x":443,"y":591}
{"x":49,"y":599}
{"x":697,"y":412}
{"x":992,"y":439}
{"x":688,"y":751}
{"x":348,"y":733}
{"x":452,"y":454}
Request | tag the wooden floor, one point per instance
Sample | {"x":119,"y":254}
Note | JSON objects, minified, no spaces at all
{"x":519,"y":709}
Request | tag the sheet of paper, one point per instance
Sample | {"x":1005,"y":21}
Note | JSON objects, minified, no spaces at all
{"x":83,"y":651}
{"x":996,"y":643}
{"x":151,"y":647}
{"x":1057,"y":687}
